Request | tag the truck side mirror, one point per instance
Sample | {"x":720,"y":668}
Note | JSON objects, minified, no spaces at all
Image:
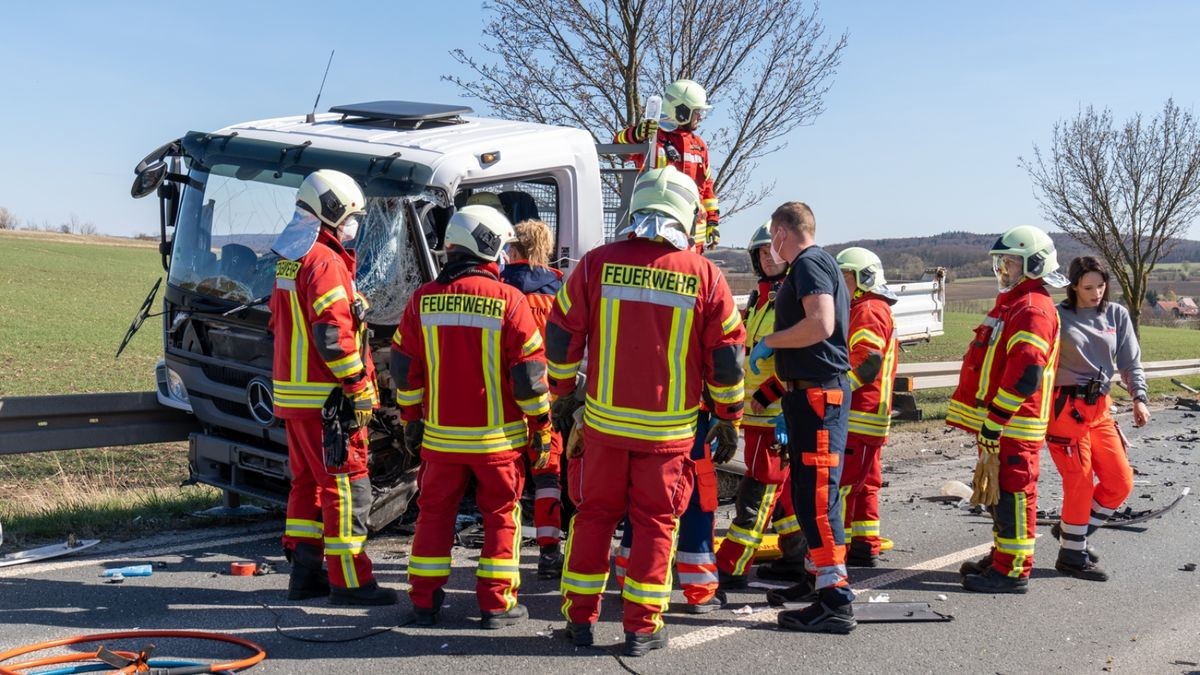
{"x":148,"y":179}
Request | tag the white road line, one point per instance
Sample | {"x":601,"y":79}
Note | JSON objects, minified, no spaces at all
{"x":699,"y":637}
{"x":140,"y":553}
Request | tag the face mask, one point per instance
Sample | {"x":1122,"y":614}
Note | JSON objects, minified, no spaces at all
{"x":502,"y":261}
{"x":775,"y":256}
{"x":350,"y":229}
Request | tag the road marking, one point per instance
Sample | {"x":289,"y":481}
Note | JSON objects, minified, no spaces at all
{"x":145,"y":552}
{"x":699,"y":637}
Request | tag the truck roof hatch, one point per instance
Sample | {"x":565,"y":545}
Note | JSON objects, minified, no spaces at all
{"x":400,"y":114}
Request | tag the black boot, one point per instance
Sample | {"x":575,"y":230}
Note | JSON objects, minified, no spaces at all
{"x":638,"y":644}
{"x":991,"y":581}
{"x":428,"y":616}
{"x":550,"y":562}
{"x":580,"y":634}
{"x":1077,"y":564}
{"x":495,"y":620}
{"x":976,"y":566}
{"x":805,"y":591}
{"x":370,"y":594}
{"x":717,"y":601}
{"x":789,"y":567}
{"x":731,"y":582}
{"x":859,"y":554}
{"x":1056,"y":532}
{"x":308,"y":579}
{"x":831,"y":613}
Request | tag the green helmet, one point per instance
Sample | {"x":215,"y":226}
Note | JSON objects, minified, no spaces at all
{"x":866,"y":266}
{"x":1034,"y":247}
{"x":665,"y":205}
{"x":684,"y":102}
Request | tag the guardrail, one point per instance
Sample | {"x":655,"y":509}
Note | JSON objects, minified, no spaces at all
{"x":76,"y":421}
{"x":937,"y":374}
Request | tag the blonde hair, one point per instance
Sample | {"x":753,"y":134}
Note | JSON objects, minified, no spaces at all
{"x":797,"y":217}
{"x":534,"y":242}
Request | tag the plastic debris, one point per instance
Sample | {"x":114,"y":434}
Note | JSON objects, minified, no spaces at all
{"x":882,"y":597}
{"x":1188,"y":567}
{"x":131,"y":571}
{"x":744,"y":610}
{"x":941,"y":596}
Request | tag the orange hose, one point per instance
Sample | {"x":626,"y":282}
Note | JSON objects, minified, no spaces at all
{"x":242,"y":664}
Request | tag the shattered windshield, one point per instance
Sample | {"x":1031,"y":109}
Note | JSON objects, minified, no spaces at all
{"x":230,"y":216}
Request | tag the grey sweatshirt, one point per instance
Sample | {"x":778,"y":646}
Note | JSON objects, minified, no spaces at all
{"x":1097,"y":344}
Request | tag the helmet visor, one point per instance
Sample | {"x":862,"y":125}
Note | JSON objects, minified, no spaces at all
{"x":658,"y":227}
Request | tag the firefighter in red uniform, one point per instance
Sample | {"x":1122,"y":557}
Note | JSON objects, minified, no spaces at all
{"x":1003,"y":397}
{"x":659,"y":329}
{"x":470,"y":375}
{"x":529,"y":270}
{"x":677,"y":144}
{"x":872,"y":371}
{"x":765,"y":483}
{"x":320,"y":345}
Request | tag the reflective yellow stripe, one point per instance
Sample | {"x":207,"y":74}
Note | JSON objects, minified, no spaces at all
{"x":709,"y":204}
{"x":562,"y":371}
{"x":864,"y":528}
{"x":855,"y":383}
{"x":1025,"y":336}
{"x":345,"y":545}
{"x":345,"y":366}
{"x":323,"y":303}
{"x":303,"y":529}
{"x":609,"y":313}
{"x":433,"y":368}
{"x":1007,"y":401}
{"x":410,"y":396}
{"x":732,"y":321}
{"x":868,"y":336}
{"x":788,"y":525}
{"x":532,"y":344}
{"x":498,"y":568}
{"x":421,"y":566}
{"x":300,"y":394}
{"x":563,"y":300}
{"x":985,"y":370}
{"x":535,"y":406}
{"x":475,"y":440}
{"x":491,"y":375}
{"x":299,"y":369}
{"x":727,"y":395}
{"x":646,"y":594}
{"x":345,"y":498}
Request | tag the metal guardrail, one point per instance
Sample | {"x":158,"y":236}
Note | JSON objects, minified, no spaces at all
{"x":945,"y":373}
{"x":76,"y":421}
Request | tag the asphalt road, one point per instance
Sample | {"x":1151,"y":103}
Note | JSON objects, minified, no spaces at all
{"x":1146,"y":619}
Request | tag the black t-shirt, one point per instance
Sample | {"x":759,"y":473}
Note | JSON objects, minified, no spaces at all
{"x":813,"y":271}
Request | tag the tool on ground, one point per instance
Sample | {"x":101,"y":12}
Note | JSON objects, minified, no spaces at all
{"x":126,"y":661}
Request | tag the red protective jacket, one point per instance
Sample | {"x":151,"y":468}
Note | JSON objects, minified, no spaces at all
{"x":660,"y":329}
{"x":319,"y":338}
{"x":687,"y":152}
{"x":468,"y":358}
{"x":871,"y":331}
{"x":1009,"y":367}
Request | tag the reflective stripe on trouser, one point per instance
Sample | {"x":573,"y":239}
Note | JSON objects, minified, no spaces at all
{"x":329,"y":509}
{"x":753,"y":507}
{"x":653,"y":488}
{"x":1014,"y":519}
{"x":862,"y":476}
{"x":497,"y":494}
{"x":1089,"y":452}
{"x":547,"y":496}
{"x":817,"y":422}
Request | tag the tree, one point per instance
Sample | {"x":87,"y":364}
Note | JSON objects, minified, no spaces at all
{"x":587,"y":63}
{"x":8,"y":220}
{"x":1129,"y":192}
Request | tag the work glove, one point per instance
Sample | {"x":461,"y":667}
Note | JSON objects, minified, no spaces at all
{"x":986,"y":481}
{"x":414,"y":434}
{"x":575,"y":440}
{"x":761,"y":351}
{"x":713,"y":236}
{"x":539,"y":443}
{"x":562,"y":411}
{"x":781,"y":439}
{"x":723,"y":438}
{"x":642,"y":132}
{"x":362,"y":395}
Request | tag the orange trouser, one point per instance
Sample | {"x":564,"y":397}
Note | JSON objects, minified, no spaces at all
{"x":328,"y":508}
{"x":1089,"y":451}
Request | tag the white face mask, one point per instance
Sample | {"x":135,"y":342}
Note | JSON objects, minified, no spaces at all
{"x":775,"y":255}
{"x":350,"y":229}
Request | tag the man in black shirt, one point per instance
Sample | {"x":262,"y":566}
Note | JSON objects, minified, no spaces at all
{"x":812,"y":312}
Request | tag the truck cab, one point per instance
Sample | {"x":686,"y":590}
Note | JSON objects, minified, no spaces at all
{"x":226,"y":195}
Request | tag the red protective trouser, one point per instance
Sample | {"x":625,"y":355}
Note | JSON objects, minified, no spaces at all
{"x":329,"y":509}
{"x":547,"y":496}
{"x":1089,"y":451}
{"x":654,"y":488}
{"x":1014,"y":519}
{"x":764,"y":486}
{"x":862,"y":476}
{"x":498,"y":496}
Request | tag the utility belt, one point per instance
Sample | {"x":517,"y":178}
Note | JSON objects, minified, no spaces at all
{"x":801,"y":385}
{"x":1090,"y":392}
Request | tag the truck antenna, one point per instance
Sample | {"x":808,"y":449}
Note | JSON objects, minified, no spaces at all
{"x":312,"y":116}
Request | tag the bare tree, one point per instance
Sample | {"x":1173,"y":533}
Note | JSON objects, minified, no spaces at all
{"x":8,"y":220}
{"x":766,"y":64}
{"x":1129,"y":192}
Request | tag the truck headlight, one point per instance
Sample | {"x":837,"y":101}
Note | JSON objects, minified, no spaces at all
{"x":176,"y":388}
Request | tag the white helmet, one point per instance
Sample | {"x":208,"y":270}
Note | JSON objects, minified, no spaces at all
{"x":480,"y":229}
{"x":685,"y":103}
{"x":331,"y":196}
{"x":665,"y":207}
{"x":865,"y":266}
{"x":1035,"y":248}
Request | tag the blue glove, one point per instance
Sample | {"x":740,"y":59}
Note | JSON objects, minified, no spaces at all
{"x":781,"y":432}
{"x":761,"y":351}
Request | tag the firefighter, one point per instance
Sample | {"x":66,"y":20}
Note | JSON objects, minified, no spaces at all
{"x":1003,"y":397}
{"x":765,"y":484}
{"x":684,"y":106}
{"x":529,"y":270}
{"x":320,"y":346}
{"x":658,"y":328}
{"x":872,"y":371}
{"x":1085,"y":443}
{"x":811,"y":359}
{"x":470,"y":374}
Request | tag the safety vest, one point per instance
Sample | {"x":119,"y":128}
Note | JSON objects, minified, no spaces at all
{"x":659,"y":328}
{"x":760,"y":322}
{"x":872,"y":330}
{"x":1018,"y":337}
{"x":475,"y":367}
{"x":319,"y":333}
{"x":688,"y":153}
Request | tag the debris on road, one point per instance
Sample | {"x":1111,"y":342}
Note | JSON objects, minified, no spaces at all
{"x":1188,"y":567}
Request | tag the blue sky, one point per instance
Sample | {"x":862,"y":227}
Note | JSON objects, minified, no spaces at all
{"x":932,"y":106}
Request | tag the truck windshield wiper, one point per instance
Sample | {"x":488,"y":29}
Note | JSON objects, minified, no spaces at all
{"x":248,"y":305}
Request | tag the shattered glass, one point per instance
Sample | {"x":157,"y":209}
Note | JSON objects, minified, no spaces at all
{"x":387,"y":265}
